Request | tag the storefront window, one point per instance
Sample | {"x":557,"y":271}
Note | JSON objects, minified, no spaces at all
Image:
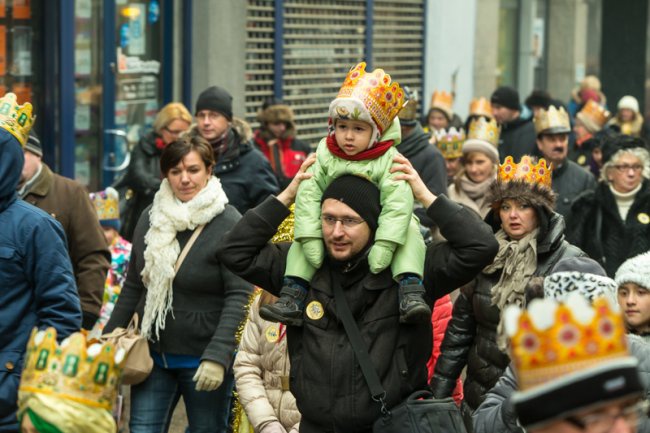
{"x":20,"y":62}
{"x":88,"y":92}
{"x":508,"y":43}
{"x":139,"y":56}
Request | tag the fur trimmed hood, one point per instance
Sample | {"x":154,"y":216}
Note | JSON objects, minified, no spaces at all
{"x":276,"y":113}
{"x":536,"y":195}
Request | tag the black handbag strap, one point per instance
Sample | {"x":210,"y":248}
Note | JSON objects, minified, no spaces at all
{"x":360,"y":349}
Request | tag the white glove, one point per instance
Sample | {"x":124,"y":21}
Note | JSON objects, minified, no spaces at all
{"x":273,"y":427}
{"x":209,"y":376}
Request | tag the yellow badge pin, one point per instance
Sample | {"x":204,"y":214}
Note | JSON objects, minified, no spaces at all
{"x":315,"y":310}
{"x":272,"y":334}
{"x":643,"y":218}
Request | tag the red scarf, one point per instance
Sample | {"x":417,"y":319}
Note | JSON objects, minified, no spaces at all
{"x":373,"y":153}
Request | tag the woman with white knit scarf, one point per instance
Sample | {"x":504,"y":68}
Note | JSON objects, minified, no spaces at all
{"x":190,"y":315}
{"x":531,"y":241}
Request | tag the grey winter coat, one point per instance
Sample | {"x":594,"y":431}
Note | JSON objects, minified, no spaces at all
{"x":569,"y":181}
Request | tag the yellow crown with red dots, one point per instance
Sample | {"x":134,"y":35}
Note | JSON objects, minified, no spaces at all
{"x":88,"y":375}
{"x":443,"y":101}
{"x":552,"y":121}
{"x":551,"y":339}
{"x":450,"y":142}
{"x":526,"y":171}
{"x":16,"y":119}
{"x":107,"y":204}
{"x":480,"y":107}
{"x":382,"y":97}
{"x":594,"y":114}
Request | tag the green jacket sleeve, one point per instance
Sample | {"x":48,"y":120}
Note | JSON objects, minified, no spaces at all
{"x":307,"y":213}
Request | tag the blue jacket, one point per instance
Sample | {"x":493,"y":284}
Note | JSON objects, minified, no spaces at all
{"x":37,"y":286}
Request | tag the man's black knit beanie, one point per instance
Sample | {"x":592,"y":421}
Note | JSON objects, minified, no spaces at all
{"x":215,"y":99}
{"x":358,"y":193}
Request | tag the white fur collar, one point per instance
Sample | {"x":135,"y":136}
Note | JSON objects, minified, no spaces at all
{"x":167,"y":217}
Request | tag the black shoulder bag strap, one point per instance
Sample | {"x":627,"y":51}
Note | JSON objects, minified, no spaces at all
{"x":360,"y":349}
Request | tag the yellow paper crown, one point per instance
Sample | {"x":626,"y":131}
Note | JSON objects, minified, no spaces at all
{"x":450,"y":142}
{"x":16,"y":119}
{"x":107,"y":204}
{"x":90,"y":376}
{"x":550,"y":339}
{"x":382,"y":98}
{"x":525,"y":171}
{"x":480,"y":107}
{"x":485,"y":130}
{"x":552,"y":121}
{"x":443,"y":101}
{"x":595,"y":112}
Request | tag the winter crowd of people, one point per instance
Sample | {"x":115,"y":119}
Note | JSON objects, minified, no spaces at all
{"x":502,"y":261}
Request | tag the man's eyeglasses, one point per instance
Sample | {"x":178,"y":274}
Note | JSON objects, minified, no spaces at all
{"x":624,"y":168}
{"x":348,"y":223}
{"x":603,"y":422}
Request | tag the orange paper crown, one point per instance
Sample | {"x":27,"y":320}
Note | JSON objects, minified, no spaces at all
{"x":443,"y":101}
{"x":594,"y":112}
{"x":450,"y":142}
{"x":525,"y":171}
{"x":552,"y":120}
{"x":480,"y":107}
{"x":382,"y":98}
{"x":550,"y":339}
{"x":90,"y":376}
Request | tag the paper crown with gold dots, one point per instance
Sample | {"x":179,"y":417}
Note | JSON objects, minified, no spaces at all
{"x":552,"y":121}
{"x":526,"y":171}
{"x":551,"y":339}
{"x":593,"y":115}
{"x":107,"y":204}
{"x":16,"y":119}
{"x":88,"y":375}
{"x":485,"y":130}
{"x":483,"y":136}
{"x":380,"y":96}
{"x":480,"y":107}
{"x":450,"y":142}
{"x":444,"y":102}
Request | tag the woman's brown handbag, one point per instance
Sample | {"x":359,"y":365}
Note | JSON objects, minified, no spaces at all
{"x":138,"y":364}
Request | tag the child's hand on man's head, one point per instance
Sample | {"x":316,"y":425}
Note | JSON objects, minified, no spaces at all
{"x":405,"y":171}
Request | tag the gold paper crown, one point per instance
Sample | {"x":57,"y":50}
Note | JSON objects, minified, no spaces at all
{"x":16,"y":119}
{"x":443,"y":101}
{"x":450,"y":142}
{"x":485,"y":130}
{"x":106,"y":204}
{"x":550,"y":339}
{"x":480,"y":107}
{"x":383,"y":98}
{"x":595,"y":112}
{"x":525,"y":171}
{"x":90,"y":376}
{"x":552,"y":121}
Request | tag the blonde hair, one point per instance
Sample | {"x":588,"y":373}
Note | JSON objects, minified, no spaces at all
{"x":169,"y":113}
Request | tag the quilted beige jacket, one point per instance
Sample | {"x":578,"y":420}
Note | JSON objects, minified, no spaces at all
{"x":262,"y":373}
